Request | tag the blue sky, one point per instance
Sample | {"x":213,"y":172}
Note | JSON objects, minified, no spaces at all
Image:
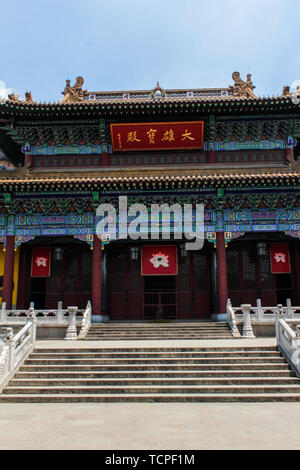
{"x":130,"y":44}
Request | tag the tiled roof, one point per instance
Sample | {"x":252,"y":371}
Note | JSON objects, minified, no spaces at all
{"x":159,"y":176}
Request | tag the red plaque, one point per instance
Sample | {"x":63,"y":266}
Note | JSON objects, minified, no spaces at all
{"x":157,"y":136}
{"x":159,"y":260}
{"x":41,"y":262}
{"x":280,"y":258}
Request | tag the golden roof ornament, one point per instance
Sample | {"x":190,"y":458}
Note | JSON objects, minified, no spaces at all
{"x":73,"y":94}
{"x":13,"y":97}
{"x":286,"y":91}
{"x":28,"y":97}
{"x":241,"y":88}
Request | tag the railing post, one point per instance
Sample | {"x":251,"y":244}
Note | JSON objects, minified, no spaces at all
{"x":260,"y":312}
{"x":247,"y":327}
{"x":289,"y":309}
{"x":11,"y":348}
{"x":72,"y":330}
{"x":34,"y":324}
{"x":60,"y":311}
{"x":3,"y":313}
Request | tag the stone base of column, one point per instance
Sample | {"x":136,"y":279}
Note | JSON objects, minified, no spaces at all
{"x":219,"y":317}
{"x":100,"y":318}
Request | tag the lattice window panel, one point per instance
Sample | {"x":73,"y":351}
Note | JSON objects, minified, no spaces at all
{"x":249,"y":277}
{"x":200,"y":270}
{"x":135,"y":278}
{"x":233,"y":271}
{"x":54,"y":281}
{"x":266,"y":277}
{"x":71,"y":272}
{"x":86,"y":271}
{"x":118,"y":264}
{"x":184,"y":281}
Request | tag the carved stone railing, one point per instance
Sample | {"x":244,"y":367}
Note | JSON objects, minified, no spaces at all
{"x":260,"y":314}
{"x":231,"y":320}
{"x":288,"y":341}
{"x":72,"y":317}
{"x":57,"y":316}
{"x":15,"y":348}
{"x":86,"y":321}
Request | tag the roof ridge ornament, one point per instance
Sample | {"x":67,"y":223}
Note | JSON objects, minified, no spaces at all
{"x":75,"y":93}
{"x":158,"y":93}
{"x":28,"y":97}
{"x":13,"y":96}
{"x":241,"y":88}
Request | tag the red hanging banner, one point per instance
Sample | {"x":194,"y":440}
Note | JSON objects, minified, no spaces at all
{"x":157,"y":136}
{"x":280,"y":258}
{"x":41,"y":262}
{"x":159,"y":260}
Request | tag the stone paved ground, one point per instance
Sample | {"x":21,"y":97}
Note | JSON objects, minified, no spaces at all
{"x":150,"y":426}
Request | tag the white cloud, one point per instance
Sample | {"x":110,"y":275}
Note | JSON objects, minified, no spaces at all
{"x":4,"y":92}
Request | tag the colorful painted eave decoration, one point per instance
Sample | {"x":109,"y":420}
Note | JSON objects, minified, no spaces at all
{"x":157,"y":136}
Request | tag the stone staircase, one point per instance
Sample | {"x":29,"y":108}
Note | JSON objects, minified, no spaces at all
{"x":159,"y":331}
{"x":173,"y":374}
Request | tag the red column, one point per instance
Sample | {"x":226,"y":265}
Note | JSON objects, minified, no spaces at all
{"x":24,"y":278}
{"x":28,"y":160}
{"x":104,"y":159}
{"x":8,"y":278}
{"x":297,"y":271}
{"x":222,"y":272}
{"x":97,"y":276}
{"x":290,"y":154}
{"x":212,"y":156}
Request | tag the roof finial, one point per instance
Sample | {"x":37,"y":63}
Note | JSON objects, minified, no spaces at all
{"x":241,"y":88}
{"x":75,"y":93}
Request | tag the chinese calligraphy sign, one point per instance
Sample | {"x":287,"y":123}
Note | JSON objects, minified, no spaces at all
{"x":157,"y":136}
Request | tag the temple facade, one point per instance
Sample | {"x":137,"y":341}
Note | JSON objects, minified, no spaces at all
{"x":225,"y":150}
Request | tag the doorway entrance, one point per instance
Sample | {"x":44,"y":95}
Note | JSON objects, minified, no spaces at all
{"x":160,"y":298}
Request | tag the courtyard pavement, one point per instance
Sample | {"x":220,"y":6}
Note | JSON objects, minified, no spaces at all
{"x":167,"y":426}
{"x":140,"y":426}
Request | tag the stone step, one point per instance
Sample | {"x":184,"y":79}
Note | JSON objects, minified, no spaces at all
{"x":150,"y":398}
{"x":154,"y":367}
{"x":154,"y":338}
{"x":245,"y":374}
{"x":96,"y":354}
{"x":155,"y":382}
{"x":161,"y":360}
{"x":159,"y":349}
{"x":156,"y":375}
{"x":166,"y":324}
{"x":167,"y":334}
{"x":187,"y":389}
{"x":157,"y":330}
{"x":162,"y":334}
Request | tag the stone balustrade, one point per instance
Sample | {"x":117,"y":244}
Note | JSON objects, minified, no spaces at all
{"x":15,"y":348}
{"x":288,"y":341}
{"x":58,"y":316}
{"x":262,"y":314}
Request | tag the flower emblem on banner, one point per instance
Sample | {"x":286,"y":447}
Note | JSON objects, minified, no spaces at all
{"x":280,"y":257}
{"x":159,"y":259}
{"x":41,"y":261}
